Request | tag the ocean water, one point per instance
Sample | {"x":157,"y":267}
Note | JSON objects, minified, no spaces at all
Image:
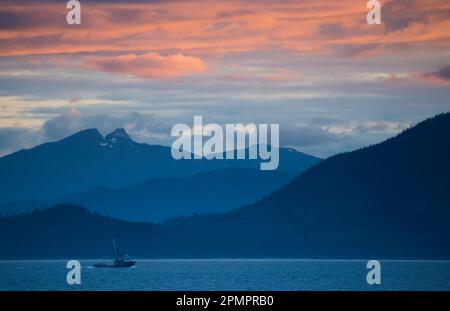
{"x":184,"y":275}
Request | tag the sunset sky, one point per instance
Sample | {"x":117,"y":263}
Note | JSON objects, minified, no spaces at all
{"x":332,"y":82}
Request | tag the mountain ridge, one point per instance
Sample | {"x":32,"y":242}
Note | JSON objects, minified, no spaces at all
{"x":86,"y":160}
{"x":206,"y":192}
{"x":387,"y":201}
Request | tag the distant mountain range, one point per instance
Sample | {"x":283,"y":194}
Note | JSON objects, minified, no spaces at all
{"x":389,"y":200}
{"x":161,"y":198}
{"x":86,"y":161}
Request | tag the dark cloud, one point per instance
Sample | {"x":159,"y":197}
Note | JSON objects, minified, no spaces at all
{"x":400,"y":14}
{"x":233,"y":13}
{"x":127,"y":16}
{"x":355,"y":50}
{"x":331,"y":30}
{"x":12,"y":19}
{"x":442,"y":74}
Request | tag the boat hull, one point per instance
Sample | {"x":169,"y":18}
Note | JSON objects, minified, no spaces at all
{"x":127,"y":264}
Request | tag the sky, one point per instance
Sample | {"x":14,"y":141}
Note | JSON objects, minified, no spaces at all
{"x":333,"y":82}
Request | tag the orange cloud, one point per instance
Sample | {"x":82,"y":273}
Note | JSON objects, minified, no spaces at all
{"x":150,"y":65}
{"x":219,"y":27}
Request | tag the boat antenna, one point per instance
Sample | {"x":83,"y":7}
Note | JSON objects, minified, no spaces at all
{"x":116,"y":249}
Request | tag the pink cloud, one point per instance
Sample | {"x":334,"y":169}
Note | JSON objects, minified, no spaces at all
{"x":223,"y":26}
{"x":73,"y":113}
{"x":150,"y":65}
{"x":259,"y":75}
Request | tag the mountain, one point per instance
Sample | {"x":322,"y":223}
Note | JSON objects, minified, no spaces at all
{"x":87,"y":160}
{"x":162,"y":198}
{"x":64,"y":230}
{"x":389,"y":200}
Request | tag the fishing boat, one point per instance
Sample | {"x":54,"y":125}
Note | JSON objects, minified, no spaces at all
{"x":119,"y":261}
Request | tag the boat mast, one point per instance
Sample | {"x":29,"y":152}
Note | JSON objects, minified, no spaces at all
{"x":116,"y":249}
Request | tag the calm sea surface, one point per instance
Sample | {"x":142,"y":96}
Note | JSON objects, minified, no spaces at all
{"x":227,"y":275}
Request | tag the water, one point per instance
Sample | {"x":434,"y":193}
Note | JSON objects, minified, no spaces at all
{"x":228,"y":275}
